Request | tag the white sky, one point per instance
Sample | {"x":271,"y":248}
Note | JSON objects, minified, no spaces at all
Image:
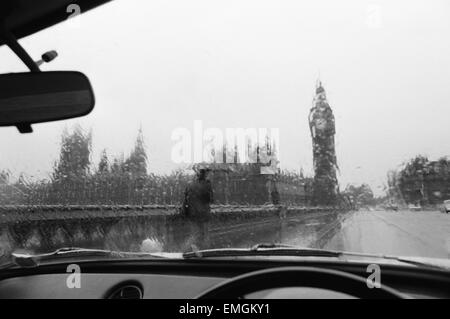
{"x":240,"y":63}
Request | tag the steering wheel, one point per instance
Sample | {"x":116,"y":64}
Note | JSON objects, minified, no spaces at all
{"x":283,"y":277}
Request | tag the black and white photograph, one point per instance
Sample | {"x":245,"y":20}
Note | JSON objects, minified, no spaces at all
{"x":192,"y":150}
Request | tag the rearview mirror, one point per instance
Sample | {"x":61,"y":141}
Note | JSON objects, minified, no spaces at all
{"x":36,"y":97}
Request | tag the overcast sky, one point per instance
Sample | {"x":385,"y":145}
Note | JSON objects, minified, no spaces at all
{"x":163,"y":64}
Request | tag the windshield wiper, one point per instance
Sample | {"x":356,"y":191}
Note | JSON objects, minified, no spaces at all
{"x":24,"y":260}
{"x":29,"y":260}
{"x":272,"y":249}
{"x":262,"y":250}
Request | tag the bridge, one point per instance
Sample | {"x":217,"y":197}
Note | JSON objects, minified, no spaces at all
{"x":46,"y":228}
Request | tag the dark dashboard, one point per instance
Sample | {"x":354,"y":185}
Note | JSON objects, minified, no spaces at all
{"x":185,"y":279}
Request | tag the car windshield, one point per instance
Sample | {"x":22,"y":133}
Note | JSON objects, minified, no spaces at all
{"x":227,"y":124}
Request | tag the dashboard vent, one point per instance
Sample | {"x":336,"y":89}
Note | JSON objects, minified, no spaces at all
{"x":126,"y":291}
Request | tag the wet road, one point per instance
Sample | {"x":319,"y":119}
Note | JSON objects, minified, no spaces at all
{"x":402,"y":233}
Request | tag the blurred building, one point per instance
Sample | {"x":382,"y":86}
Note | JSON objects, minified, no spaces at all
{"x":256,"y":184}
{"x":424,"y":182}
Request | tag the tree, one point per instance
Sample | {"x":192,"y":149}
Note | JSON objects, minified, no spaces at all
{"x":411,"y":179}
{"x":4,"y":177}
{"x":71,"y":170}
{"x":74,"y":158}
{"x":136,"y":164}
{"x":103,"y":165}
{"x":118,"y":165}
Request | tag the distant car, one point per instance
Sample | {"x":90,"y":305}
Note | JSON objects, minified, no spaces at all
{"x":446,"y":206}
{"x":414,"y":207}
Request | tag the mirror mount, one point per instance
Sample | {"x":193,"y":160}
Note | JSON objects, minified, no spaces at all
{"x":17,"y":48}
{"x":24,"y":128}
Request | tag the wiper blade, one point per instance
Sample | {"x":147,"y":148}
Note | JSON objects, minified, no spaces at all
{"x":437,"y":263}
{"x":262,"y":250}
{"x":29,"y":260}
{"x":270,"y":245}
{"x":272,"y":249}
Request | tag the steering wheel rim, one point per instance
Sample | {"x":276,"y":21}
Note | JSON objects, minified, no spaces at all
{"x":282,"y":277}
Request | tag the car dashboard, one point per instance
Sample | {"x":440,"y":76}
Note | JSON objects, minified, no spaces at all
{"x":187,"y":279}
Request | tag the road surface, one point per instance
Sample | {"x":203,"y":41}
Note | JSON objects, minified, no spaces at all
{"x":402,"y":233}
{"x":398,"y":233}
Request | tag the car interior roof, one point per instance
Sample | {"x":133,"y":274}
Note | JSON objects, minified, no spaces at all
{"x":25,"y":17}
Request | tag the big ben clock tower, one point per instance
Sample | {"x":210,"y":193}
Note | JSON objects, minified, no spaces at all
{"x":322,"y":126}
